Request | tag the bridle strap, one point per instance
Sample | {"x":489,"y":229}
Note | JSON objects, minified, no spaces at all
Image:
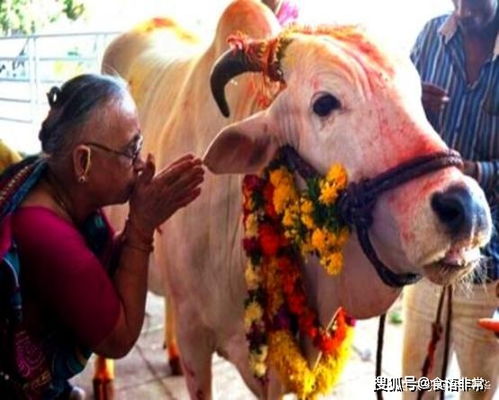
{"x":357,"y":201}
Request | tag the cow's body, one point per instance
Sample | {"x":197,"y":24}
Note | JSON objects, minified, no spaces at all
{"x":199,"y":260}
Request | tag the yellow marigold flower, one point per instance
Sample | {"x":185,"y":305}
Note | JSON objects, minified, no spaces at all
{"x":306,"y":246}
{"x":249,"y":204}
{"x":277,"y":176}
{"x":259,"y":369}
{"x":329,"y":193}
{"x":251,"y":225}
{"x":253,"y":313}
{"x":288,"y":219}
{"x":307,"y":221}
{"x":253,"y":278}
{"x":333,"y":263}
{"x":319,"y":240}
{"x":331,"y":238}
{"x":283,"y":195}
{"x":307,"y":207}
{"x":338,"y":175}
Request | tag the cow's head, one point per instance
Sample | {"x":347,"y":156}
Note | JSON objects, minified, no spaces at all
{"x":345,"y":100}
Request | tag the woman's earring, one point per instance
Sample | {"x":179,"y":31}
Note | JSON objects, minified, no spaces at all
{"x":83,"y":177}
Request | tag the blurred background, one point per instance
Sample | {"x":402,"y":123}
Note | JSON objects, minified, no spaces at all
{"x":45,"y":42}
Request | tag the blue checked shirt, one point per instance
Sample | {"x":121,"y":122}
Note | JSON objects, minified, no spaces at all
{"x":469,"y":122}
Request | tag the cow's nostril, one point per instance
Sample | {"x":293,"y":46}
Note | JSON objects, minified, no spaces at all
{"x":449,"y":211}
{"x":456,"y":209}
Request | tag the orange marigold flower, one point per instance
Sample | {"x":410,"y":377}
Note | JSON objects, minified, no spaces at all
{"x":338,"y":175}
{"x":319,"y":239}
{"x":329,"y":193}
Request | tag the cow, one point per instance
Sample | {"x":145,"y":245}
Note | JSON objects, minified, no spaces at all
{"x":334,"y":95}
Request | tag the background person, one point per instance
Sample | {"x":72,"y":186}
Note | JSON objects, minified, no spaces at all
{"x":7,"y":156}
{"x":67,"y":287}
{"x":457,"y":57}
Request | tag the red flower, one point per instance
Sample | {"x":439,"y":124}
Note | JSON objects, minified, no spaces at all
{"x":252,"y":183}
{"x":250,"y":245}
{"x":307,"y":324}
{"x":296,"y":303}
{"x":268,"y":193}
{"x":311,"y":332}
{"x":289,"y":279}
{"x":269,"y":240}
{"x":340,"y":333}
{"x":284,"y":263}
{"x":326,"y":343}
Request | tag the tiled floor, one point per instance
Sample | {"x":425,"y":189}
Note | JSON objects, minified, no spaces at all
{"x":144,"y":373}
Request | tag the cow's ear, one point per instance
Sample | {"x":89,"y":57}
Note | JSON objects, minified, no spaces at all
{"x":242,"y":148}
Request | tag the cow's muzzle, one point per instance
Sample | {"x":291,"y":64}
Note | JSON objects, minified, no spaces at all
{"x":460,"y":212}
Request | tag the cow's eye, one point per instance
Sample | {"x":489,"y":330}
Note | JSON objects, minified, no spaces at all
{"x":326,"y":104}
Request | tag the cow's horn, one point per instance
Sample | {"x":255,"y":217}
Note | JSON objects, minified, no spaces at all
{"x":232,"y":63}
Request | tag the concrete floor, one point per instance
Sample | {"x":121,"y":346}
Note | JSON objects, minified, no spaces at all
{"x":144,"y":373}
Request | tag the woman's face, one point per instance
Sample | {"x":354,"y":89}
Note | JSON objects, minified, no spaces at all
{"x":115,"y":146}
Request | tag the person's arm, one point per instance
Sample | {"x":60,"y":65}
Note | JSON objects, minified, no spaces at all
{"x":154,"y":200}
{"x":487,"y":174}
{"x":491,"y":324}
{"x":433,"y":97}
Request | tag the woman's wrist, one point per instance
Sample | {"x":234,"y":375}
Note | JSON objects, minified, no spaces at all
{"x":137,"y":238}
{"x":143,"y":247}
{"x":137,"y":229}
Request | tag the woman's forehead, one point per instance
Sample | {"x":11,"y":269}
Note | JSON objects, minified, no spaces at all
{"x":115,"y":123}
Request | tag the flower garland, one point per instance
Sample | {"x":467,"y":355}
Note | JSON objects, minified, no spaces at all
{"x":281,"y":224}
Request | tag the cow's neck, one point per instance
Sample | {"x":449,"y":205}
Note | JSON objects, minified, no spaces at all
{"x":357,"y":288}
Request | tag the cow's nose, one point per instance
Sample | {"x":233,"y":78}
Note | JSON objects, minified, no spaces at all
{"x":459,"y":211}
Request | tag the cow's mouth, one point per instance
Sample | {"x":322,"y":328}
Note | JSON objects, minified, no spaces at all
{"x":456,"y":264}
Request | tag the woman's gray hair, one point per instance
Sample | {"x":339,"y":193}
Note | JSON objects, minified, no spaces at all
{"x":71,"y":106}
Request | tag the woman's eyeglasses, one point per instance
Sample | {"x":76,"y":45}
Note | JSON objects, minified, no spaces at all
{"x":131,"y":152}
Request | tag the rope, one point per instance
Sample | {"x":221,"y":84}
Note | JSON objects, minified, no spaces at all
{"x":447,"y":337}
{"x":379,"y":351}
{"x":435,"y":338}
{"x":436,"y":334}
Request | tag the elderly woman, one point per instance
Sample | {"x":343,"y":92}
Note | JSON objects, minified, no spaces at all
{"x":68,"y":286}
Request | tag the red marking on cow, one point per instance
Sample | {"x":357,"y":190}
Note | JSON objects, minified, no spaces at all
{"x":165,"y":23}
{"x":155,"y":23}
{"x":405,"y":141}
{"x":352,"y":35}
{"x":314,"y":83}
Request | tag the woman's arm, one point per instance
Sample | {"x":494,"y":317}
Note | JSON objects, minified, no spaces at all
{"x":154,"y":200}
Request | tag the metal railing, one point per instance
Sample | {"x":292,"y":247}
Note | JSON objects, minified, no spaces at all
{"x":30,"y":65}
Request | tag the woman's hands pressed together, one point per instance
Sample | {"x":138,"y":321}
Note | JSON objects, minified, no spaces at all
{"x":157,"y":197}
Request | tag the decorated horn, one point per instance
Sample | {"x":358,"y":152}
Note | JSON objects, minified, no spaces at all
{"x":256,"y":56}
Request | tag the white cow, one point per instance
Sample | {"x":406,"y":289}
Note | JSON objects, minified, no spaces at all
{"x":374,"y":121}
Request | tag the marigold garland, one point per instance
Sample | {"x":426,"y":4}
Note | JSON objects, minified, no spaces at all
{"x":282,"y":224}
